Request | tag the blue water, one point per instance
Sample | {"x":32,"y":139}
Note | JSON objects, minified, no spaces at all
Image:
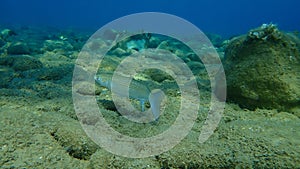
{"x":225,"y":17}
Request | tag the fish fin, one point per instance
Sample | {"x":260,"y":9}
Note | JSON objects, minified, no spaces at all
{"x":155,"y":99}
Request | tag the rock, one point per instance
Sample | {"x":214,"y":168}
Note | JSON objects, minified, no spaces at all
{"x":154,"y":41}
{"x":21,"y":62}
{"x":108,"y":104}
{"x":2,"y":42}
{"x":262,"y":69}
{"x":118,"y":52}
{"x":137,"y":45}
{"x":196,"y":67}
{"x":95,"y":44}
{"x":180,"y":53}
{"x":25,"y":63}
{"x":5,"y":33}
{"x":110,"y":34}
{"x":193,"y":56}
{"x":158,"y":75}
{"x":85,"y":88}
{"x":50,"y":91}
{"x":110,"y":63}
{"x":164,"y":45}
{"x":179,"y":49}
{"x":18,"y":48}
{"x":6,"y":75}
{"x":51,"y":45}
{"x":264,"y":32}
{"x":54,"y":73}
{"x":216,"y":39}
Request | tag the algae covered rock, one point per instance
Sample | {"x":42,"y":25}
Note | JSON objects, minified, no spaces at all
{"x":262,"y":69}
{"x":2,"y":42}
{"x":7,"y":74}
{"x":54,"y":73}
{"x":51,"y":45}
{"x":5,"y":33}
{"x":18,"y":48}
{"x":21,"y":62}
{"x":158,"y":75}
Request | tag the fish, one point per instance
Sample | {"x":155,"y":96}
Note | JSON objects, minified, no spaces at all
{"x":137,"y":91}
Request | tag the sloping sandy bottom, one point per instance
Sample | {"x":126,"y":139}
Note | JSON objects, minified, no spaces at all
{"x":42,"y":134}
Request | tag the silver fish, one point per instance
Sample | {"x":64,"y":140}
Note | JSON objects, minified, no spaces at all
{"x":138,"y":91}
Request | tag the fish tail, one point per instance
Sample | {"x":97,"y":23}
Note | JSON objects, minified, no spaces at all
{"x":155,"y":99}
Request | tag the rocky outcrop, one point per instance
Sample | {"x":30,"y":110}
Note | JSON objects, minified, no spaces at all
{"x":262,"y":69}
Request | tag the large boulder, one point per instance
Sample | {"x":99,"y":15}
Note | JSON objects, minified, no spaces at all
{"x":21,"y":62}
{"x":262,"y":69}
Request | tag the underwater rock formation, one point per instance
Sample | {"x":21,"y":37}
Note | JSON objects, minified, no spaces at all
{"x":2,"y":42}
{"x":18,"y":48}
{"x":262,"y":69}
{"x":5,"y":33}
{"x":21,"y":62}
{"x":51,"y":45}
